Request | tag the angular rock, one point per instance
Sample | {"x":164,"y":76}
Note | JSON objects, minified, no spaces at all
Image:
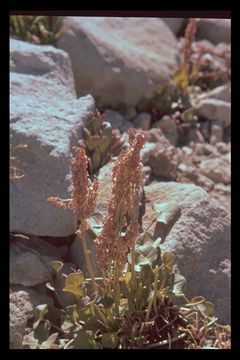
{"x":214,"y":30}
{"x":223,"y":148}
{"x":163,"y":164}
{"x":226,"y":189}
{"x":45,"y":116}
{"x":199,"y":240}
{"x":142,"y":121}
{"x":169,"y":128}
{"x":114,"y":118}
{"x":28,"y":268}
{"x":218,"y":170}
{"x":35,"y":297}
{"x":201,"y":180}
{"x":222,"y":92}
{"x":175,"y":24}
{"x":185,"y":168}
{"x":187,"y":150}
{"x":156,"y":136}
{"x":213,"y":109}
{"x":45,"y":61}
{"x":205,"y":149}
{"x":119,"y":60}
{"x":216,"y":132}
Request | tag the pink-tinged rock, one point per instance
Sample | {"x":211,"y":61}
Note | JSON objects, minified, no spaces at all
{"x":119,"y":60}
{"x":199,"y":239}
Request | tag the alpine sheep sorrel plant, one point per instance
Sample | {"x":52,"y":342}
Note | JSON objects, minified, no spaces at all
{"x":138,"y":303}
{"x":82,"y":202}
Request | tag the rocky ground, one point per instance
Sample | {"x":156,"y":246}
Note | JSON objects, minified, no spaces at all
{"x":54,"y":91}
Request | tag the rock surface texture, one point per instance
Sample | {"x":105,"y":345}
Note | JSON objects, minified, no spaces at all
{"x":119,"y":60}
{"x":214,"y":30}
{"x":199,"y":240}
{"x":46,"y":116}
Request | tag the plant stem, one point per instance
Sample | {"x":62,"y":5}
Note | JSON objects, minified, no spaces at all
{"x":117,"y":287}
{"x":133,"y":267}
{"x":81,"y":233}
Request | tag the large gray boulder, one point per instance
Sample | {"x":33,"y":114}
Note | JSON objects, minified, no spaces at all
{"x":199,"y":239}
{"x":119,"y":60}
{"x":214,"y":30}
{"x":46,"y":116}
{"x":175,"y":24}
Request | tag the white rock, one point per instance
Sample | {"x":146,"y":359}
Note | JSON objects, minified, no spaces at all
{"x":46,"y":116}
{"x":119,"y":60}
{"x":222,"y":147}
{"x":226,"y":189}
{"x":217,"y":169}
{"x":199,"y":240}
{"x":222,"y":92}
{"x":205,"y":149}
{"x":149,"y":149}
{"x":187,"y":150}
{"x":213,"y":109}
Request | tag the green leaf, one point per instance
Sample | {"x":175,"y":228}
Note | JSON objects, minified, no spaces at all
{"x":66,"y":325}
{"x":123,"y":305}
{"x":188,"y":115}
{"x":93,"y":142}
{"x":206,"y":308}
{"x":146,"y":254}
{"x":85,"y":340}
{"x":39,"y":313}
{"x":109,"y":340}
{"x":86,"y":134}
{"x":104,"y":144}
{"x":16,"y":341}
{"x":57,"y":266}
{"x":168,"y":215}
{"x":106,"y":301}
{"x":41,"y":333}
{"x":107,"y":129}
{"x":84,"y":313}
{"x":179,"y":285}
{"x":96,"y":159}
{"x":168,"y":260}
{"x":74,"y":283}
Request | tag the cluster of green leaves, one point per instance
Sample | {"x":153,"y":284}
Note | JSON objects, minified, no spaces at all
{"x":171,"y":99}
{"x":202,"y":69}
{"x":100,"y":142}
{"x":150,"y":313}
{"x":35,"y":29}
